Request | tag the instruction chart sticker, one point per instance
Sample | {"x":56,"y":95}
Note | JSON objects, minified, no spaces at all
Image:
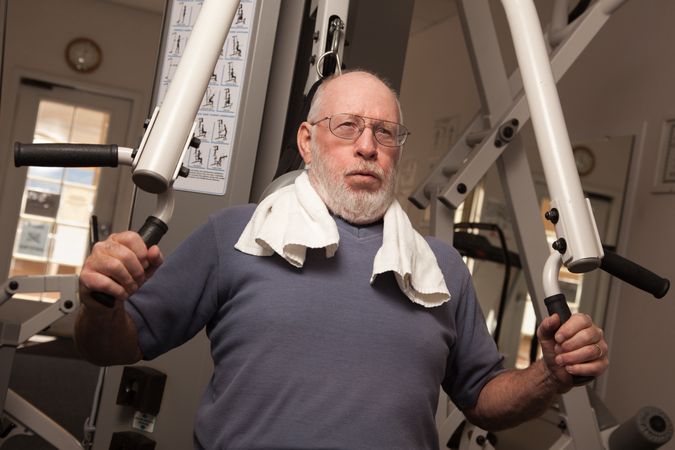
{"x":216,"y":120}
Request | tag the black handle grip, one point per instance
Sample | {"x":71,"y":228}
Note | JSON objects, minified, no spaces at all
{"x":556,"y":304}
{"x":65,"y":155}
{"x":634,"y":274}
{"x":104,"y":299}
{"x":151,"y":232}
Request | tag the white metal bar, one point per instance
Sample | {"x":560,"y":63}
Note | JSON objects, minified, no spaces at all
{"x":124,"y":156}
{"x":165,"y":206}
{"x":442,"y":221}
{"x":551,"y":273}
{"x":581,"y":421}
{"x":609,"y":6}
{"x":528,"y":229}
{"x":576,"y":225}
{"x":559,"y":29}
{"x":561,"y":60}
{"x":165,"y":144}
{"x":32,"y":418}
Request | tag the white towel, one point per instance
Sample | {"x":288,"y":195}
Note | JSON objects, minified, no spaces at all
{"x":295,"y":218}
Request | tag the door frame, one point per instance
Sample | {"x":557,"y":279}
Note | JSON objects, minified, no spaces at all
{"x":123,"y":192}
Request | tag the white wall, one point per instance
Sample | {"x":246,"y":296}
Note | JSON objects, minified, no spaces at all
{"x":37,"y":32}
{"x":437,"y":84}
{"x":621,"y":85}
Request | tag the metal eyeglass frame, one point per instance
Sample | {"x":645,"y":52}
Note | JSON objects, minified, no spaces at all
{"x":402,"y":136}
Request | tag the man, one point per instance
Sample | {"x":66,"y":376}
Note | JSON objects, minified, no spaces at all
{"x":315,"y":346}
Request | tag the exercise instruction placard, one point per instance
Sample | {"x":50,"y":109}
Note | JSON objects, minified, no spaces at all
{"x":217,"y":116}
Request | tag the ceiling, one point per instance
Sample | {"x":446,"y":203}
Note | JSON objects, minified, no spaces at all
{"x":427,"y":13}
{"x":147,"y":5}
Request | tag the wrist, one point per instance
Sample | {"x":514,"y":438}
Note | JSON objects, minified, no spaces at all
{"x":555,"y":379}
{"x":94,"y":308}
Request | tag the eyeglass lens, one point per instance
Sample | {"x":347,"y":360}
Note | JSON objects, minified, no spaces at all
{"x":350,"y":126}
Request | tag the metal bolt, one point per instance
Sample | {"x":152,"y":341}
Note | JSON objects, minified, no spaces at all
{"x":68,"y":304}
{"x":560,"y":245}
{"x":13,"y":285}
{"x":553,"y":216}
{"x":480,"y":440}
{"x":461,"y":188}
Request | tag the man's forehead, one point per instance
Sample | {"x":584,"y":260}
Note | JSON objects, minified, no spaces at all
{"x":360,"y":93}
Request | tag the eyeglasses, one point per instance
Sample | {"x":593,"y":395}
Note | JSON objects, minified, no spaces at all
{"x":351,"y":126}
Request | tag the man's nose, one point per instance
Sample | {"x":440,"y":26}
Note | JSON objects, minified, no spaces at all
{"x":366,"y":145}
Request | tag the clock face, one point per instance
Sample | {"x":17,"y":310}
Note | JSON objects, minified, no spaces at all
{"x":83,"y":55}
{"x":584,"y":159}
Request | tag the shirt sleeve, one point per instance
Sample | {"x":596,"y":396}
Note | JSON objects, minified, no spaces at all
{"x":473,"y":358}
{"x":180,"y":298}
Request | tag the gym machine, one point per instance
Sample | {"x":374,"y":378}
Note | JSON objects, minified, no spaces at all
{"x":502,"y":114}
{"x":155,"y":165}
{"x":492,"y":137}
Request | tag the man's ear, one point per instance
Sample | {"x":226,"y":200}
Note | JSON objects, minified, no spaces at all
{"x":304,"y":142}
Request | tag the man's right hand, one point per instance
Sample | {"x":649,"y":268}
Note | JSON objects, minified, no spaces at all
{"x":118,"y":266}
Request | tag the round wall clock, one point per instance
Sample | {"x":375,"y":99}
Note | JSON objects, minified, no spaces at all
{"x":584,"y":159}
{"x":83,"y":55}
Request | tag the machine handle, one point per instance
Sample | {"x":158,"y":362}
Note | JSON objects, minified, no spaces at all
{"x":556,"y":304}
{"x":634,"y":274}
{"x":65,"y":155}
{"x":151,"y":232}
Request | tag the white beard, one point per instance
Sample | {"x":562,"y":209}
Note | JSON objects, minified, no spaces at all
{"x":355,"y":206}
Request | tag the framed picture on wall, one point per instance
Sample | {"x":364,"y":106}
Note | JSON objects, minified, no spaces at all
{"x":664,"y":181}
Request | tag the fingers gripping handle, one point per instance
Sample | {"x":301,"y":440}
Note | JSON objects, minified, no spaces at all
{"x":556,"y":304}
{"x":152,"y":231}
{"x":634,"y":274}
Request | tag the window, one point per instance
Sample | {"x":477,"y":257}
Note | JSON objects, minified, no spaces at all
{"x":53,"y":232}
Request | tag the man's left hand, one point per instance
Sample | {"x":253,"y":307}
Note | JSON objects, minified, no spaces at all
{"x":575,"y":348}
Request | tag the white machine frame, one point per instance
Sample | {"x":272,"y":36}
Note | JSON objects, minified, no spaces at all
{"x":22,"y":416}
{"x":156,"y":164}
{"x":507,"y":103}
{"x":491,"y":137}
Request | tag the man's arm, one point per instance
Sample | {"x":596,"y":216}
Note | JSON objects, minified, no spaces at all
{"x":514,"y":396}
{"x":117,"y":266}
{"x":106,"y":336}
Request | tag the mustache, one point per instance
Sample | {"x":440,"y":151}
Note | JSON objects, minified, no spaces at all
{"x":364,"y":168}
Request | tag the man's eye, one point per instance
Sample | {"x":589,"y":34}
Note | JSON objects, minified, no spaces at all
{"x":385,"y":131}
{"x":348,"y":125}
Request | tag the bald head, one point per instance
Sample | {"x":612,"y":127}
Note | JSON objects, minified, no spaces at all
{"x":336,"y":87}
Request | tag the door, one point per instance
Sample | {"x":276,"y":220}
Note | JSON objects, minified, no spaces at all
{"x":45,"y":211}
